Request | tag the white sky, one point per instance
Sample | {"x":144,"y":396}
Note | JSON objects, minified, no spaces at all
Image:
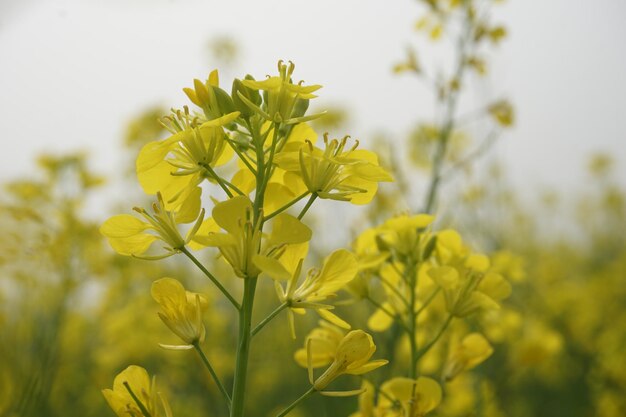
{"x":72,"y":72}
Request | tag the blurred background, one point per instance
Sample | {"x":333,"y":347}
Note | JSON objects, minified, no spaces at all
{"x":82,"y":83}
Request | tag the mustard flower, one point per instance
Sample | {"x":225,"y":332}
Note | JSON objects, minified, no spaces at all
{"x":351,"y":357}
{"x":405,"y":397}
{"x":243,"y":239}
{"x":471,"y":293}
{"x":181,"y":311}
{"x":133,"y":395}
{"x":282,"y":98}
{"x":472,"y":351}
{"x":176,"y":166}
{"x":131,"y":236}
{"x":339,"y":268}
{"x":335,"y":173}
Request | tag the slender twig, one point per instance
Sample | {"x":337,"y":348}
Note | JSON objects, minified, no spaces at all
{"x":142,"y":407}
{"x":430,"y":298}
{"x":428,"y":346}
{"x":211,"y":277}
{"x":382,"y":308}
{"x":206,"y":362}
{"x":286,"y":206}
{"x":217,"y":178}
{"x":307,"y":206}
{"x":268,"y":318}
{"x":296,"y":402}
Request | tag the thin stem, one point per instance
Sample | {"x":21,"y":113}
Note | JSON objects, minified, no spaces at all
{"x":296,"y":402}
{"x":286,"y":206}
{"x":268,"y":319}
{"x":443,"y":328}
{"x":430,"y":298}
{"x":476,"y":153}
{"x":307,"y":206}
{"x":142,"y":407}
{"x":387,"y":312}
{"x":243,"y":347}
{"x":211,"y":277}
{"x":206,"y":362}
{"x":394,"y":290}
{"x":448,"y":124}
{"x":217,"y":178}
{"x":234,"y":187}
{"x":241,"y":156}
{"x":412,"y":324}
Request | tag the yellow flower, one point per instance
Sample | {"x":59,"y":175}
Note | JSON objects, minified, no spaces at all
{"x":351,"y":357}
{"x":135,"y":380}
{"x":471,"y":293}
{"x":131,"y":236}
{"x":502,"y":112}
{"x":243,"y":239}
{"x":339,"y":268}
{"x":323,"y":342}
{"x":283,"y":100}
{"x":181,"y":311}
{"x":335,"y":173}
{"x":176,"y":166}
{"x":405,"y":397}
{"x":214,"y":101}
{"x":473,"y":350}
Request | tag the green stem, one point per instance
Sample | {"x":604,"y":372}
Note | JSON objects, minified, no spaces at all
{"x":243,"y":347}
{"x":448,"y":124}
{"x":206,"y":362}
{"x":142,"y":407}
{"x":443,"y":328}
{"x":286,"y":206}
{"x":296,"y":402}
{"x":395,"y":317}
{"x":268,"y":318}
{"x":427,"y":302}
{"x":211,"y":277}
{"x":217,"y":178}
{"x":307,"y":206}
{"x":412,"y":324}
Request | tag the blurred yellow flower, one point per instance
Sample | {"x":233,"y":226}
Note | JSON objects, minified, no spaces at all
{"x":472,"y":351}
{"x":181,"y":311}
{"x":351,"y":357}
{"x":402,"y":397}
{"x":134,"y":395}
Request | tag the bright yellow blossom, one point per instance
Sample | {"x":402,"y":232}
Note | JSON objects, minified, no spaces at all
{"x":133,"y":395}
{"x":176,"y":166}
{"x":181,"y":311}
{"x":339,"y":268}
{"x":335,"y":173}
{"x":131,"y":236}
{"x":351,"y":357}
{"x":283,"y":99}
{"x":243,"y":240}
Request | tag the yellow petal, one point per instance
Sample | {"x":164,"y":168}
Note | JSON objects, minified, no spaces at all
{"x":123,"y":225}
{"x":271,"y":267}
{"x":287,"y":229}
{"x":333,"y":318}
{"x":132,"y":245}
{"x":230,"y":214}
